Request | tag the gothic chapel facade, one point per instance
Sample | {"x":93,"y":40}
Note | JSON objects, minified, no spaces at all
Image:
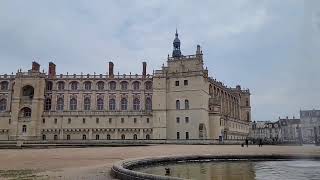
{"x":179,"y":101}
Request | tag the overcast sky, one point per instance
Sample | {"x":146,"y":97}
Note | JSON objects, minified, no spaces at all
{"x":271,"y":47}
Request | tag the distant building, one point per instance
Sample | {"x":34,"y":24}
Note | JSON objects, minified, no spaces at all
{"x":310,"y":123}
{"x":266,"y":130}
{"x":290,"y":130}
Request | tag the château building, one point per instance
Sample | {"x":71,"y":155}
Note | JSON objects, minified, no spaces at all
{"x":179,"y":101}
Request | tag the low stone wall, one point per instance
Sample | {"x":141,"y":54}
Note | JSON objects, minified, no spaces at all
{"x":123,"y":169}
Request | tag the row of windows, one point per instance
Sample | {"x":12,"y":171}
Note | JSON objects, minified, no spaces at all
{"x":97,"y":137}
{"x":186,"y":137}
{"x":186,"y":120}
{"x":73,"y":105}
{"x":185,"y":82}
{"x":74,"y":85}
{"x":186,"y":104}
{"x":97,"y":120}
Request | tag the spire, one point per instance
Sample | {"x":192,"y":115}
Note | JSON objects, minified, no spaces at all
{"x":176,"y":53}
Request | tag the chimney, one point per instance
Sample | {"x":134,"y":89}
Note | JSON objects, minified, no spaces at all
{"x":144,"y":69}
{"x":198,"y":50}
{"x":111,"y":69}
{"x":52,"y":70}
{"x":35,"y":66}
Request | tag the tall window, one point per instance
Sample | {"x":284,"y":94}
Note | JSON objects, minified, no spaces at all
{"x":100,"y":104}
{"x":24,"y":128}
{"x":148,"y":104}
{"x":178,"y":135}
{"x":148,"y":85}
{"x":55,"y":137}
{"x":87,"y":103}
{"x":248,"y":116}
{"x":97,"y":137}
{"x":124,"y":85}
{"x":185,"y":82}
{"x":44,"y":137}
{"x":177,"y":104}
{"x":124,"y":104}
{"x":73,"y":104}
{"x":49,"y":86}
{"x":108,"y":137}
{"x":84,"y":137}
{"x":135,"y":137}
{"x":186,"y":104}
{"x":123,"y":137}
{"x":60,"y":86}
{"x":112,"y":104}
{"x":26,"y":112}
{"x":100,"y":85}
{"x":187,"y":135}
{"x":47,"y":105}
{"x":87,"y":85}
{"x":74,"y":86}
{"x":4,"y":85}
{"x":60,"y":104}
{"x":112,"y":85}
{"x":136,"y":104}
{"x":68,"y":137}
{"x":136,"y":85}
{"x":247,"y":102}
{"x":3,"y":104}
{"x":147,"y":136}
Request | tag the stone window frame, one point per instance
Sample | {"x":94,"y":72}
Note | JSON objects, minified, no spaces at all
{"x":136,"y":85}
{"x":136,"y":104}
{"x":112,"y":104}
{"x":124,"y":85}
{"x":100,"y":85}
{"x":124,"y":104}
{"x":3,"y":104}
{"x":100,"y":104}
{"x":87,"y":103}
{"x":73,"y":104}
{"x":87,"y":85}
{"x":4,"y":85}
{"x":60,"y":104}
{"x":148,"y":85}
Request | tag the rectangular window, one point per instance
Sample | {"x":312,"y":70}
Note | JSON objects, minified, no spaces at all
{"x":69,"y":121}
{"x":55,"y":121}
{"x":97,"y":120}
{"x":178,"y":120}
{"x":43,"y":120}
{"x":83,"y":121}
{"x":177,"y":83}
{"x":110,"y":120}
{"x":122,"y":120}
{"x":187,"y":119}
{"x":187,"y":135}
{"x":9,"y":121}
{"x":178,"y":135}
{"x":185,"y":82}
{"x":134,"y":120}
{"x":148,"y":120}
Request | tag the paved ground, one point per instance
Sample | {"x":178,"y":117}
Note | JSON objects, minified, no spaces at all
{"x":94,"y":163}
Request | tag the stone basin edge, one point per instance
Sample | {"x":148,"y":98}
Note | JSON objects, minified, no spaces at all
{"x":122,"y":169}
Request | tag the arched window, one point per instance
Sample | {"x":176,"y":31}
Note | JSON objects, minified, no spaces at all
{"x":112,"y":85}
{"x":123,"y":137}
{"x":49,"y":86}
{"x":177,"y":104}
{"x":4,"y":85}
{"x":24,"y":128}
{"x":60,"y":104}
{"x":124,"y":85}
{"x":148,"y":104}
{"x":147,"y":136}
{"x":100,"y":104}
{"x":28,"y":91}
{"x":148,"y":85}
{"x":100,"y":86}
{"x":68,"y":137}
{"x":60,"y":85}
{"x":84,"y":137}
{"x":135,"y":137}
{"x":55,"y":137}
{"x":74,"y":85}
{"x":136,"y":85}
{"x":44,"y":137}
{"x":186,"y":104}
{"x":26,"y":112}
{"x":136,"y":104}
{"x":124,"y":104}
{"x":97,"y":137}
{"x":108,"y":137}
{"x":87,"y":103}
{"x":112,"y":104}
{"x":73,"y":104}
{"x":47,"y":105}
{"x":87,"y":85}
{"x":3,"y":105}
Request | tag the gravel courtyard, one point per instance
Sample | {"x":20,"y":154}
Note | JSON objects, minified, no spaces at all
{"x":95,"y":162}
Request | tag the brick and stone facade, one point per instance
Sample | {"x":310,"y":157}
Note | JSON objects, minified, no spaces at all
{"x":179,"y":101}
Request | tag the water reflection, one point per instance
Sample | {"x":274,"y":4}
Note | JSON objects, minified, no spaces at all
{"x":240,"y":170}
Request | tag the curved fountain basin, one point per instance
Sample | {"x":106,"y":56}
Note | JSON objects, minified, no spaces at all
{"x":126,"y":169}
